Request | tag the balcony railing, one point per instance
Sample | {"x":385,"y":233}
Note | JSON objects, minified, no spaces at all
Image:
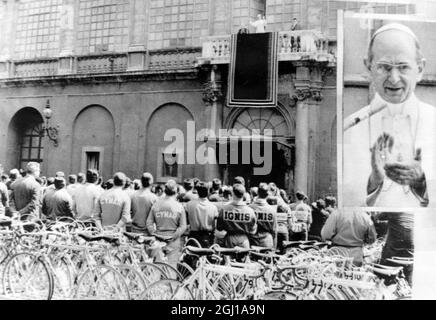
{"x":102,"y":64}
{"x":156,"y":60}
{"x":293,"y":45}
{"x":173,"y":58}
{"x":31,"y":68}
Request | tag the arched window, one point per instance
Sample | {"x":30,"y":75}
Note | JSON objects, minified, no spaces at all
{"x":261,"y":119}
{"x":31,"y":145}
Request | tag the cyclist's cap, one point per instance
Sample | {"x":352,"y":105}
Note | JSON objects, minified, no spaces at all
{"x":59,"y":182}
{"x":32,"y":167}
{"x":239,"y":180}
{"x":188,"y":182}
{"x":171,"y":187}
{"x":262,"y":190}
{"x":300,"y":195}
{"x":14,"y":172}
{"x":395,"y":26}
{"x":216,"y":184}
{"x":238,"y":190}
{"x":60,"y":174}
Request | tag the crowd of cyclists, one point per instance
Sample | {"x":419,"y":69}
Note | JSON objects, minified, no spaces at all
{"x":208,"y":211}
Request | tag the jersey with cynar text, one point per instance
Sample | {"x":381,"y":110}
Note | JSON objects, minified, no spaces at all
{"x":237,"y":219}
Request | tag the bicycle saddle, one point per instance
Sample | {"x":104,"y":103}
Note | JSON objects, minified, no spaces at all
{"x":231,"y":251}
{"x":5,"y":223}
{"x":200,"y":251}
{"x":91,"y":238}
{"x":162,"y":237}
{"x":257,"y":249}
{"x":139,"y":238}
{"x":401,"y":261}
{"x":389,"y":272}
{"x":292,"y":244}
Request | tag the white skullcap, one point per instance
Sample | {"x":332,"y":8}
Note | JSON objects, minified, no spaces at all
{"x":395,"y":26}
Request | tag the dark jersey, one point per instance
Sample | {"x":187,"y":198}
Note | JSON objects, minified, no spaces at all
{"x":266,"y":216}
{"x":237,"y":218}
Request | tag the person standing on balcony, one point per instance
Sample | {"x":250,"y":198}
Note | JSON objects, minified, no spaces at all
{"x":295,"y":26}
{"x":259,"y":24}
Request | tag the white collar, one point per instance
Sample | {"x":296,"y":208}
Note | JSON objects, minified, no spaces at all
{"x":408,"y":107}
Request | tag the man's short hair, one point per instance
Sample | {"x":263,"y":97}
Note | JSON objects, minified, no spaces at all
{"x":91,"y":175}
{"x":72,"y":178}
{"x":170,"y":188}
{"x":59,"y":183}
{"x":128,"y":182}
{"x":202,"y":189}
{"x":216,"y":184}
{"x":50,"y":181}
{"x":238,"y":190}
{"x":399,"y":27}
{"x":227,"y":191}
{"x":239,"y":180}
{"x":195,"y":181}
{"x":262,"y":190}
{"x":120,"y":179}
{"x":81,"y":177}
{"x":300,"y":195}
{"x":188,"y":184}
{"x":33,"y":167}
{"x":254,"y":191}
{"x":109,"y":184}
{"x":330,"y":201}
{"x":146,"y":180}
{"x":272,"y":201}
{"x":320,"y":204}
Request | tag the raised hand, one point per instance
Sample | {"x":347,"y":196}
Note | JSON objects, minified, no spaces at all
{"x":380,"y":154}
{"x":408,"y":174}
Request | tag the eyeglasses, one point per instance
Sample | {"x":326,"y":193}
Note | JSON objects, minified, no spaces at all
{"x":385,"y":67}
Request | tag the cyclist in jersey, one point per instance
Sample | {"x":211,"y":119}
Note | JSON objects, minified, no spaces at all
{"x":237,"y":219}
{"x":302,"y":218}
{"x":266,"y":219}
{"x":113,"y":206}
{"x":202,"y":215}
{"x":167,"y":219}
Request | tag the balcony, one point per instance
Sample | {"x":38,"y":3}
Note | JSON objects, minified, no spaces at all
{"x":102,"y":66}
{"x":300,"y":45}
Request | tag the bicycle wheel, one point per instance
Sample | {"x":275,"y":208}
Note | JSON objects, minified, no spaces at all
{"x":170,"y":271}
{"x":26,"y":276}
{"x":167,"y":289}
{"x":63,"y":278}
{"x":184,"y":269}
{"x":134,"y":280}
{"x":151,"y":273}
{"x":102,"y":282}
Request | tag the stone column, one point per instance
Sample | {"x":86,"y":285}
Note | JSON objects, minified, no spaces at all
{"x":138,"y":36}
{"x":212,"y":95}
{"x":66,"y":37}
{"x":301,"y":95}
{"x":302,"y":141}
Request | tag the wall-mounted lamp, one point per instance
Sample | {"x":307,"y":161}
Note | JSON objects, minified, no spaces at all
{"x":52,"y":132}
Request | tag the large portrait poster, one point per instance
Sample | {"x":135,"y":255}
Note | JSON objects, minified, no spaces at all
{"x":387,"y":137}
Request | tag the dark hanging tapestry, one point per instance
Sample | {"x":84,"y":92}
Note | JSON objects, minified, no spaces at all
{"x":253,"y":70}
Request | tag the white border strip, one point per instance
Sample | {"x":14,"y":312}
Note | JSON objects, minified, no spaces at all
{"x":339,"y":103}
